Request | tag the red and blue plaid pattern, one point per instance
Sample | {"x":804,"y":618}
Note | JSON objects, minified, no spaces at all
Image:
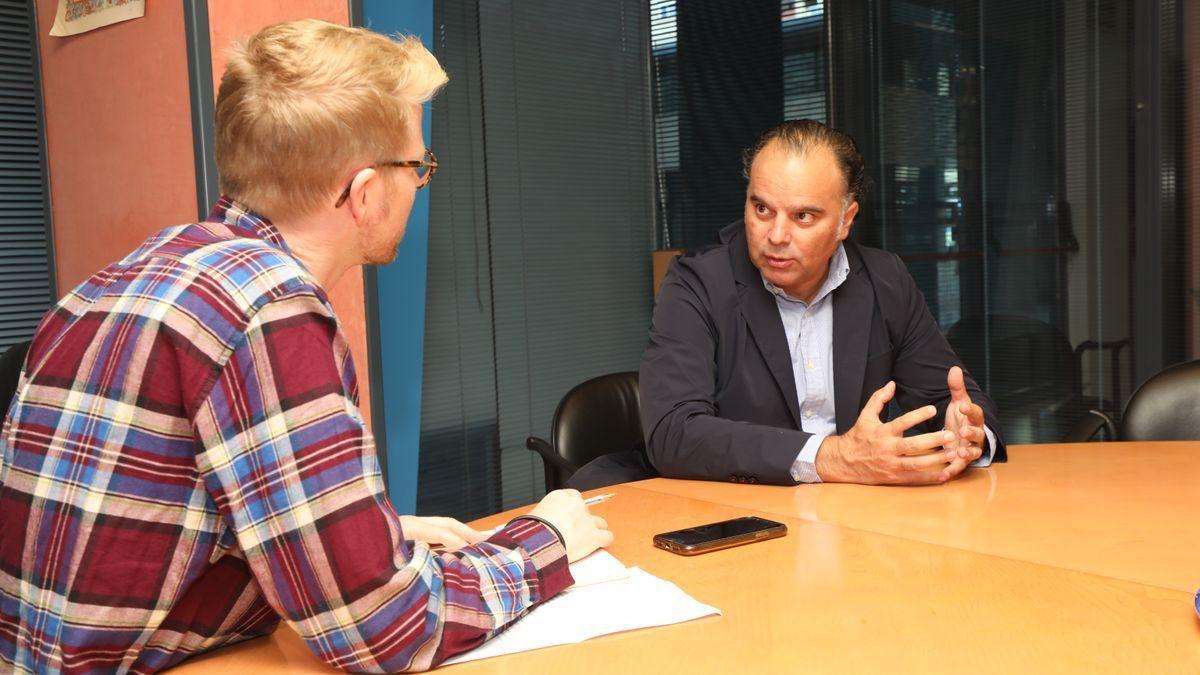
{"x":185,"y":463}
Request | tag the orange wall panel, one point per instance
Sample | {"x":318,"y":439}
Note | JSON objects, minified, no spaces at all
{"x":118,"y":136}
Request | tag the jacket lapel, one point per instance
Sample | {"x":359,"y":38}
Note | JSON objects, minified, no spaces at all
{"x":762,"y":316}
{"x":853,"y":309}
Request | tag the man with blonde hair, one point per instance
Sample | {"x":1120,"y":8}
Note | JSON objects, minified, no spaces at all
{"x":185,"y":463}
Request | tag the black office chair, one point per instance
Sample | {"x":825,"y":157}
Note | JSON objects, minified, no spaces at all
{"x":1093,"y":427}
{"x":595,"y":418}
{"x":1166,"y":407}
{"x":11,"y":363}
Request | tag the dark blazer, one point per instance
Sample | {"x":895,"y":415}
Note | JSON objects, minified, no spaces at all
{"x":718,"y":397}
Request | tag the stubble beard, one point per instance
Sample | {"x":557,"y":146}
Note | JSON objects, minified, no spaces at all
{"x":378,"y":250}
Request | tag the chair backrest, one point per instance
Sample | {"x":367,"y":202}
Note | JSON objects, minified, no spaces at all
{"x":1166,"y":407}
{"x":597,"y":417}
{"x":11,"y":362}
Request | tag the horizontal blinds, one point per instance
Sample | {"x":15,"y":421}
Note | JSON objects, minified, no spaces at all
{"x":459,"y":455}
{"x":541,"y":227}
{"x":25,"y":284}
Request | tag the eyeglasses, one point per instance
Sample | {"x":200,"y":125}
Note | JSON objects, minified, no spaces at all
{"x":426,"y":167}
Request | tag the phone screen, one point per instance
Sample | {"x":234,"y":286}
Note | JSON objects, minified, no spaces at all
{"x":725,"y":529}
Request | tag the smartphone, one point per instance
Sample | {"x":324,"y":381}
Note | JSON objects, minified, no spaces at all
{"x":716,"y":536}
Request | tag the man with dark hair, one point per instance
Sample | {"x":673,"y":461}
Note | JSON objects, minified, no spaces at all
{"x":774,"y":354}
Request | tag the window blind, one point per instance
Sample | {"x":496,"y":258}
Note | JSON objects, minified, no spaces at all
{"x":541,"y":226}
{"x":26,"y":287}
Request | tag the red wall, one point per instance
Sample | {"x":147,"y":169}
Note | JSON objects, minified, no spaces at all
{"x":119,"y":136}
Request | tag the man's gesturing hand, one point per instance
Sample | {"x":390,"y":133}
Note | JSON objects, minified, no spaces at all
{"x":964,"y":419}
{"x":874,"y":452}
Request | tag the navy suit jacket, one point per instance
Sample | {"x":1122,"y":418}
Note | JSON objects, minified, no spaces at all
{"x":718,"y":396}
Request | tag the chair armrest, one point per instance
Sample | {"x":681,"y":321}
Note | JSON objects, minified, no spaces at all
{"x":1093,"y":345}
{"x":543,"y":448}
{"x":1086,"y":429}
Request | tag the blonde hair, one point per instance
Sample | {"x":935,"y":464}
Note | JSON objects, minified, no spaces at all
{"x":303,"y":103}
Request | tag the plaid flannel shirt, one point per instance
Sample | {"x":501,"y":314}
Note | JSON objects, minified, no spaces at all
{"x":185,"y":462}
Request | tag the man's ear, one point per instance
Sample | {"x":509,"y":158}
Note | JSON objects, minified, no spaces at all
{"x":847,"y":221}
{"x":365,"y":194}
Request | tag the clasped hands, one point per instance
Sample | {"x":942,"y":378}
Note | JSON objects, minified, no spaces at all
{"x":874,"y":452}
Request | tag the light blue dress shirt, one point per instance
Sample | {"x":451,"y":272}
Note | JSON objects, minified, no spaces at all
{"x":809,"y":331}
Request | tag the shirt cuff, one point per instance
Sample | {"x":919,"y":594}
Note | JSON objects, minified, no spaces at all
{"x":546,"y":553}
{"x":804,"y":469}
{"x":989,"y":451}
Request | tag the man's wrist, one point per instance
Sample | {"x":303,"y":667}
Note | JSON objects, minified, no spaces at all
{"x":804,"y":467}
{"x":826,"y":459}
{"x":549,"y":525}
{"x":987,"y":450}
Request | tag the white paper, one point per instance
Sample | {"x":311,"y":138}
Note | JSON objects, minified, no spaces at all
{"x":598,"y":568}
{"x":640,"y":600}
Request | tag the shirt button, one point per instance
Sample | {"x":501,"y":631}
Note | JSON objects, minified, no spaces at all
{"x":808,"y":413}
{"x":811,"y":365}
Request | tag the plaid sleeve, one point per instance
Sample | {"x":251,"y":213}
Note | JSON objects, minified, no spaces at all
{"x":285,"y":455}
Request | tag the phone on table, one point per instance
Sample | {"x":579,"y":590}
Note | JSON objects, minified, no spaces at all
{"x":716,"y":536}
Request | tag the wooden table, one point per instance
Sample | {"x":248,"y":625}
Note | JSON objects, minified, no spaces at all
{"x":1069,"y":558}
{"x":1124,"y":510}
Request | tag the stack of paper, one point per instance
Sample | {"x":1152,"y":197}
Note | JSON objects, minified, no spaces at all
{"x":598,"y":568}
{"x":606,"y":598}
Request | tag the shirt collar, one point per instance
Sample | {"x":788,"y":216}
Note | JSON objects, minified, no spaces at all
{"x":839,"y":269}
{"x":244,"y":222}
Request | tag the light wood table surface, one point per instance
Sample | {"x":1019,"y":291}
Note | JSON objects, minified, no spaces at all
{"x":1125,"y":510}
{"x":836,"y":596}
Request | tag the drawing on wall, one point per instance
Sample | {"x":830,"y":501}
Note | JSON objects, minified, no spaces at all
{"x":80,"y":16}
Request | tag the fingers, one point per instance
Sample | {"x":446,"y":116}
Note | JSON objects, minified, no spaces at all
{"x":971,"y":435}
{"x":464,"y":532}
{"x":970,"y":452}
{"x":972,"y":412}
{"x":957,"y":385}
{"x":941,"y":471}
{"x":439,"y":532}
{"x":954,"y":468}
{"x":926,"y":443}
{"x":935,"y":477}
{"x":604,"y":538}
{"x":931,"y":463}
{"x":875,"y":405}
{"x":935,"y":468}
{"x":910,"y":419}
{"x":444,"y":538}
